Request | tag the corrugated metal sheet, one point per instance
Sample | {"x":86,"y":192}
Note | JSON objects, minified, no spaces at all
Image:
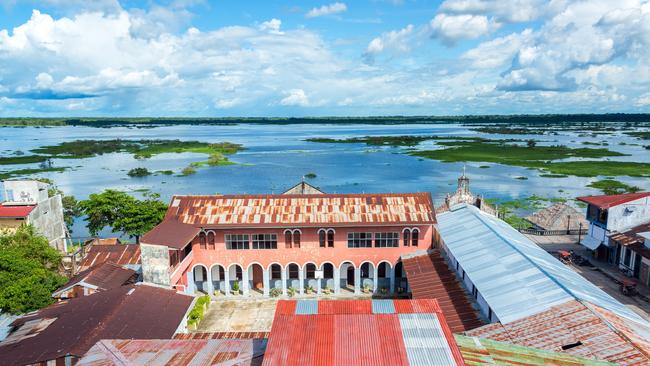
{"x":349,"y":334}
{"x":430,"y":278}
{"x":383,"y":307}
{"x":120,"y":254}
{"x":16,"y":211}
{"x":304,"y":210}
{"x":607,"y":201}
{"x":480,"y":352}
{"x":515,"y":276}
{"x":104,"y":276}
{"x":210,"y":352}
{"x":306,"y":307}
{"x":222,"y":335}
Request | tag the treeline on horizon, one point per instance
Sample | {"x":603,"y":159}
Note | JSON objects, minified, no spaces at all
{"x":552,"y":119}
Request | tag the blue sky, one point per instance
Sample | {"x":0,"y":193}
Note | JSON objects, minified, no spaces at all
{"x":323,"y":58}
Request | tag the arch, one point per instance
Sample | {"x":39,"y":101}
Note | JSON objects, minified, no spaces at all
{"x":415,"y":237}
{"x":235,"y":272}
{"x":256,"y":277}
{"x":202,"y":239}
{"x":275,"y":271}
{"x":211,"y":239}
{"x":218,"y":277}
{"x":292,"y":271}
{"x":200,"y":277}
{"x":322,"y":238}
{"x":309,"y":270}
{"x":367,"y":275}
{"x":296,"y":238}
{"x":384,"y":277}
{"x":288,"y":238}
{"x":401,"y":283}
{"x":331,"y":269}
{"x":330,"y":238}
{"x":346,"y":275}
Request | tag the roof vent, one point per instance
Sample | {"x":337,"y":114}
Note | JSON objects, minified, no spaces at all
{"x":130,"y":292}
{"x":571,"y":345}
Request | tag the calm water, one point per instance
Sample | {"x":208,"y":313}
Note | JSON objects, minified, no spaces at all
{"x":277,"y":157}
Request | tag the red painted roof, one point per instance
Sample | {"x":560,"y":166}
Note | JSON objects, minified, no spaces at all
{"x":16,"y":211}
{"x":429,"y":277}
{"x":352,"y":333}
{"x":607,"y":201}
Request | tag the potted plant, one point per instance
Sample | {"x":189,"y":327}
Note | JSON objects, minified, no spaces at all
{"x":367,"y":288}
{"x":235,"y":288}
{"x":327,"y":290}
{"x":310,"y":290}
{"x":291,"y":292}
{"x":275,"y":292}
{"x":383,"y":291}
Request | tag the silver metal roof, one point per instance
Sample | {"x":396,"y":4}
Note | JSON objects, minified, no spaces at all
{"x":425,"y":341}
{"x":516,"y":277}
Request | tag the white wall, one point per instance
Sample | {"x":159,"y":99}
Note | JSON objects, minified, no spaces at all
{"x":628,"y":215}
{"x":24,"y":191}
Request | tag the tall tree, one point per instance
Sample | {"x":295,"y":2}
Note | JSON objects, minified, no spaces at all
{"x":28,"y":271}
{"x":122,"y":212}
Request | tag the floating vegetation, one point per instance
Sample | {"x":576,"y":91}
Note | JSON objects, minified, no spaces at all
{"x":188,"y":171}
{"x":395,"y":141}
{"x":548,"y":175}
{"x":138,"y":172}
{"x":25,"y":172}
{"x":612,"y":186}
{"x":310,"y":175}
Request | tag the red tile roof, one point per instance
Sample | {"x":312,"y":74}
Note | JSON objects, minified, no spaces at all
{"x":303,"y":210}
{"x":347,"y":333}
{"x":608,"y":201}
{"x":120,"y":254}
{"x":166,"y":352}
{"x":71,"y":327}
{"x":568,"y":324}
{"x":104,"y":276}
{"x":429,"y":277}
{"x":16,"y":211}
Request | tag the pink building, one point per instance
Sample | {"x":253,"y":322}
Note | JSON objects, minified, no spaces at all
{"x":307,"y":243}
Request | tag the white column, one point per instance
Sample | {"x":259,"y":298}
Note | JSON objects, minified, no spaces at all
{"x":244,"y":280}
{"x":210,"y":284}
{"x":375,"y":274}
{"x":265,"y":280}
{"x":190,"y":283}
{"x":357,"y":281}
{"x":283,"y":278}
{"x":301,"y":279}
{"x":337,"y":280}
{"x":392,"y":280}
{"x":226,"y":278}
{"x":319,"y":290}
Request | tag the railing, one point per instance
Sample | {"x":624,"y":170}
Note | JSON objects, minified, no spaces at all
{"x":553,"y":232}
{"x":182,"y":265}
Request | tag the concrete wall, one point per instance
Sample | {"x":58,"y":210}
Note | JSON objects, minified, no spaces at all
{"x":24,"y":191}
{"x":628,"y":215}
{"x":155,"y":264}
{"x":48,"y":220}
{"x":309,"y":251}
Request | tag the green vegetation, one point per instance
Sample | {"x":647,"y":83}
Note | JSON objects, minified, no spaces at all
{"x":520,"y":177}
{"x":197,"y":313}
{"x":138,"y":172}
{"x":507,"y":130}
{"x":537,"y":157}
{"x":310,"y":175}
{"x":24,"y":159}
{"x":24,"y":172}
{"x":28,"y":271}
{"x":165,"y":172}
{"x":547,"y":175}
{"x":611,"y":186}
{"x":122,"y":212}
{"x":641,"y":135}
{"x":484,"y":166}
{"x":189,"y":170}
{"x":395,"y":141}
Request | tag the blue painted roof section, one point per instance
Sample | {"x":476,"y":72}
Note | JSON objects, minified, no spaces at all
{"x":515,"y":276}
{"x":424,"y":340}
{"x":383,"y":307}
{"x":306,"y":307}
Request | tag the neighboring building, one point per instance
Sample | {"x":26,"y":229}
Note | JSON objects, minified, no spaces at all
{"x":609,"y":214}
{"x":303,"y":188}
{"x":62,"y":333}
{"x":125,"y":255}
{"x":102,"y":277}
{"x":27,"y":202}
{"x":168,"y":352}
{"x":336,"y":241}
{"x":635,"y":251}
{"x":532,"y":298}
{"x":557,"y":217}
{"x":353,"y":332}
{"x":464,"y":195}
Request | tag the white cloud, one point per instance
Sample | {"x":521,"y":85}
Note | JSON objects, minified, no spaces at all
{"x":271,"y":26}
{"x":394,"y":41}
{"x":452,"y":28}
{"x":330,"y":9}
{"x":643,"y":100}
{"x":295,"y":97}
{"x":512,"y":11}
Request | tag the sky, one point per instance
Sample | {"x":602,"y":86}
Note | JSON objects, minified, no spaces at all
{"x":201,"y":58}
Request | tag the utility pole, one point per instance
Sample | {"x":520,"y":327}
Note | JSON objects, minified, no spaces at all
{"x":568,"y":224}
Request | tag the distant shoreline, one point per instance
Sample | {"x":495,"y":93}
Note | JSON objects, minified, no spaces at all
{"x":552,"y":119}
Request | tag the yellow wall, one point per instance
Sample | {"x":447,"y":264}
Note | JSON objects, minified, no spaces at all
{"x":10,"y":225}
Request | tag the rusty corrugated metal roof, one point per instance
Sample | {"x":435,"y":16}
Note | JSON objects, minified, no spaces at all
{"x":120,"y":254}
{"x":429,"y":277}
{"x":350,"y":333}
{"x":166,"y":352}
{"x":303,"y":210}
{"x":480,"y":352}
{"x":222,"y":335}
{"x":103,"y":276}
{"x":607,"y":201}
{"x":571,"y":328}
{"x":633,"y":240}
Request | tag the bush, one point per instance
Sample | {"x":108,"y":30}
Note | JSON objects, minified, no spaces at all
{"x":291,"y":292}
{"x":188,"y":171}
{"x":275,"y":292}
{"x":138,"y":172}
{"x":235,"y":286}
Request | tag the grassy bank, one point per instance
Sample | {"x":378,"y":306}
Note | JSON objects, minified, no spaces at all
{"x":396,"y":141}
{"x":611,"y":186}
{"x":22,"y":159}
{"x":26,"y":172}
{"x":642,"y":135}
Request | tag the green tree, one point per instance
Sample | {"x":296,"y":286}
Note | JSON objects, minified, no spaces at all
{"x":28,"y":271}
{"x":122,"y":212}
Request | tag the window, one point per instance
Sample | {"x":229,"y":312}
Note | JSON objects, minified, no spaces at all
{"x":237,"y":241}
{"x":311,"y":270}
{"x":321,"y":238}
{"x":265,"y":241}
{"x":202,"y":240}
{"x":211,"y":240}
{"x":330,"y":238}
{"x":238,"y":275}
{"x":10,"y":195}
{"x":415,"y":236}
{"x":296,"y":238}
{"x":628,"y":256}
{"x":287,"y":239}
{"x":386,"y":240}
{"x":293,"y":271}
{"x":474,"y":292}
{"x":359,"y":240}
{"x":328,"y":271}
{"x":276,"y":272}
{"x":407,"y":237}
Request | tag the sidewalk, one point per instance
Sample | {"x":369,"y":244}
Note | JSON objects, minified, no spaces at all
{"x":602,"y":274}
